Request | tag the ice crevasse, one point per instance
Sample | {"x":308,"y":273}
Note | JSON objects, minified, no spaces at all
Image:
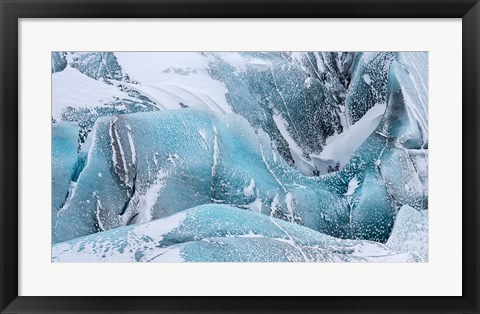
{"x":142,"y":170}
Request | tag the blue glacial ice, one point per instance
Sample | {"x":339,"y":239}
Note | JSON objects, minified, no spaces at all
{"x":138,"y":188}
{"x":222,"y":233}
{"x":64,"y":162}
{"x":146,"y":166}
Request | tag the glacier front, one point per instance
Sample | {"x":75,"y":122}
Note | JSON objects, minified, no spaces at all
{"x":240,"y":157}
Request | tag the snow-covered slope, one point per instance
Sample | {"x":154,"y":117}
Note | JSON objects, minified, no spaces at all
{"x":220,"y":233}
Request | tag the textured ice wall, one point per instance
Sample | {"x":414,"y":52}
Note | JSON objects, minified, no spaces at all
{"x":221,"y":233}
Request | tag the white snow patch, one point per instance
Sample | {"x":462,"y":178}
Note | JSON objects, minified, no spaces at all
{"x":352,"y":186}
{"x":97,"y":213}
{"x":114,"y":152}
{"x":242,"y":62}
{"x":392,"y":258}
{"x":148,"y":66}
{"x":250,"y":189}
{"x":289,"y":202}
{"x":71,"y":193}
{"x":308,"y":82}
{"x":216,"y":152}
{"x":274,"y":205}
{"x":167,"y":255}
{"x":149,"y":198}
{"x":300,"y":163}
{"x":171,"y":78}
{"x":203,"y":135}
{"x":250,"y":234}
{"x":71,"y":88}
{"x":122,"y":153}
{"x":410,"y":233}
{"x":419,"y":114}
{"x":173,"y":158}
{"x":256,"y":205}
{"x":368,"y":56}
{"x":341,"y":147}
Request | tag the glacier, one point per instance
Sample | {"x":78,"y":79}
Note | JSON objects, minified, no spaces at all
{"x":222,"y":233}
{"x":248,"y":156}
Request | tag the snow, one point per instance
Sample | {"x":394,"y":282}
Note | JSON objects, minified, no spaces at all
{"x":149,"y":198}
{"x":169,"y":255}
{"x":70,"y":88}
{"x":141,"y":177}
{"x":367,"y":79}
{"x":171,"y":78}
{"x":419,"y":115}
{"x":132,"y":147}
{"x":64,"y":159}
{"x":368,"y":56}
{"x":256,"y":205}
{"x":352,"y":186}
{"x":216,"y":152}
{"x":274,"y":205}
{"x":160,"y":227}
{"x":289,"y":203}
{"x":99,"y":208}
{"x":249,"y":190}
{"x":300,"y":163}
{"x":250,"y":234}
{"x":188,"y":173}
{"x":213,"y":233}
{"x":148,"y":66}
{"x":114,"y":151}
{"x":203,"y":135}
{"x":115,"y":140}
{"x":123,"y":244}
{"x":242,"y":62}
{"x":341,"y":147}
{"x":410,"y":233}
{"x":71,"y":193}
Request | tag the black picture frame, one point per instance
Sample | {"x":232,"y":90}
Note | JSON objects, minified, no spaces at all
{"x":13,"y":10}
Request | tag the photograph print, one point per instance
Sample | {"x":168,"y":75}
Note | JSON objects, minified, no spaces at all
{"x":239,"y":156}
